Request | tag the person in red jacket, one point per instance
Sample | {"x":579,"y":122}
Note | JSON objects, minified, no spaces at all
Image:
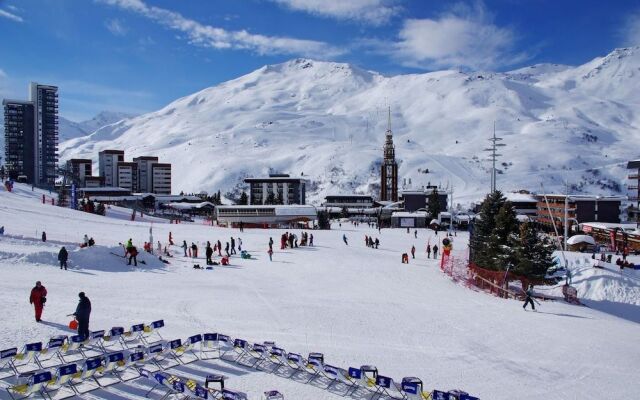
{"x":38,"y":298}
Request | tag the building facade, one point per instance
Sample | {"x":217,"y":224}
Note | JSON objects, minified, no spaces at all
{"x":127,"y":175}
{"x":45,"y":107}
{"x":348,"y":201}
{"x":80,"y":169}
{"x":278,"y":188}
{"x":415,"y":200}
{"x":634,"y":191}
{"x":580,"y":208}
{"x":19,"y":133}
{"x":161,"y":178}
{"x":145,"y":173}
{"x":108,"y":166}
{"x":389,"y":168}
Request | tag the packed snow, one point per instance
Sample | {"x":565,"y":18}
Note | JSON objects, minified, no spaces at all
{"x":327,"y":120}
{"x":355,"y":304}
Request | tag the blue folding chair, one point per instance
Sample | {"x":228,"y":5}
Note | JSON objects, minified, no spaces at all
{"x":414,"y":389}
{"x":30,"y":384}
{"x":152,"y":329}
{"x":215,"y":343}
{"x":7,"y":358}
{"x":273,"y":395}
{"x":50,"y":355}
{"x":385,"y":386}
{"x":132,"y":337}
{"x":112,"y":339}
{"x":60,"y":385}
{"x":28,"y":356}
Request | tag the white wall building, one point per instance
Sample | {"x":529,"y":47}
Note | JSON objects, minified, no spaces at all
{"x":161,"y":178}
{"x":108,"y":166}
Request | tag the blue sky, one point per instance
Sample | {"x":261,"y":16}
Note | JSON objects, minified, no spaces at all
{"x":138,"y":55}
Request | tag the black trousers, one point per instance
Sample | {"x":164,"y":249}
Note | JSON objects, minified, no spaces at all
{"x":83,"y":328}
{"x":135,"y":260}
{"x":63,"y":264}
{"x":529,"y":301}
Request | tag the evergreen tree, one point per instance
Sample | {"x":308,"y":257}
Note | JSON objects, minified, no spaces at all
{"x":278,"y":200}
{"x":271,"y":199}
{"x":323,"y":220}
{"x":433,"y":204}
{"x":533,"y":253}
{"x":345,"y":212}
{"x":483,"y":228}
{"x":244,"y":199}
{"x":502,"y":240}
{"x":219,"y":197}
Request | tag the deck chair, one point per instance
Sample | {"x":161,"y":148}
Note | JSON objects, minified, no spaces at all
{"x":190,"y":346}
{"x":156,"y":354}
{"x":83,"y":382}
{"x":94,"y":343}
{"x":114,"y":367}
{"x":414,"y":389}
{"x":461,"y":395}
{"x":278,"y":357}
{"x":171,"y":383}
{"x":174,"y":351}
{"x":7,"y":357}
{"x":387,"y":388}
{"x":260,"y":354}
{"x":296,"y":363}
{"x":336,"y":376}
{"x":60,"y":385}
{"x":233,"y":395}
{"x":152,"y":329}
{"x":49,"y":356}
{"x":314,"y":366}
{"x":214,"y":383}
{"x":273,"y":395}
{"x":369,"y":375}
{"x":132,"y":337}
{"x":440,"y":395}
{"x":72,"y":349}
{"x":28,"y":385}
{"x":28,"y":356}
{"x":215,"y":343}
{"x":112,"y":339}
{"x":241,"y":349}
{"x":358,"y":379}
{"x":196,"y":390}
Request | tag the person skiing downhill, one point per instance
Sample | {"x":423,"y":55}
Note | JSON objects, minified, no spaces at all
{"x":38,"y":298}
{"x":529,"y":299}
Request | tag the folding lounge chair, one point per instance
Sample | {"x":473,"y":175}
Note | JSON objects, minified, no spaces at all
{"x":50,"y":355}
{"x":414,"y":389}
{"x":152,"y":329}
{"x":112,"y":339}
{"x":260,"y":354}
{"x":461,"y":395}
{"x":215,"y":386}
{"x":60,"y":385}
{"x":189,"y":346}
{"x":83,"y":382}
{"x":28,"y":385}
{"x":314,"y":366}
{"x":196,"y":390}
{"x":278,"y":356}
{"x":110,"y":373}
{"x":215,"y":343}
{"x":233,"y":395}
{"x":156,"y":353}
{"x":369,"y":375}
{"x":171,"y":383}
{"x":358,"y":380}
{"x":273,"y":395}
{"x":241,"y":349}
{"x":296,"y":363}
{"x":336,"y":376}
{"x":73,"y":349}
{"x":387,"y":388}
{"x":132,"y":337}
{"x":28,"y":356}
{"x":7,"y":358}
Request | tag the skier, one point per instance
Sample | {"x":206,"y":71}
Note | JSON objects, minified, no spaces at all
{"x":529,"y":299}
{"x":83,"y":311}
{"x":271,"y":243}
{"x":38,"y":298}
{"x":184,"y":247}
{"x":344,"y":239}
{"x":311,"y":240}
{"x":219,"y":249}
{"x":63,"y":255}
{"x":209,"y":252}
{"x":44,"y":236}
{"x":428,"y":251}
{"x":233,"y":245}
{"x":413,"y":251}
{"x":133,"y":255}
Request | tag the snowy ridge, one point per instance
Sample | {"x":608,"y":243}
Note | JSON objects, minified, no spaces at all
{"x":327,"y":120}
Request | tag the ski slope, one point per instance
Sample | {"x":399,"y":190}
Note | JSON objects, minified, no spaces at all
{"x":354,"y":304}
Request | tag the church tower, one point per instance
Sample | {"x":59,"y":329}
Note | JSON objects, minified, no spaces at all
{"x":389,"y":168}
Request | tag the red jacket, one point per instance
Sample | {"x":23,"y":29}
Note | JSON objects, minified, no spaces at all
{"x":37,"y":293}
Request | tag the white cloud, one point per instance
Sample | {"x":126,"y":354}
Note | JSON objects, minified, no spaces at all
{"x":376,"y":12}
{"x":630,"y":30}
{"x":14,"y":17}
{"x":218,"y":38}
{"x":463,"y":37}
{"x":116,"y":27}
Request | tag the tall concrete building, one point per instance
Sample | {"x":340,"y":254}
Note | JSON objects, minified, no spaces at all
{"x":389,"y":168}
{"x":31,"y":132}
{"x":19,"y":139}
{"x":80,"y":168}
{"x":145,"y":173}
{"x":45,"y":111}
{"x":280,"y":187}
{"x":108,"y":166}
{"x":128,"y":176}
{"x":161,"y":178}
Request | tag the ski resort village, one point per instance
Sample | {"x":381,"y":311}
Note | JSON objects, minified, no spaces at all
{"x":462,"y":225}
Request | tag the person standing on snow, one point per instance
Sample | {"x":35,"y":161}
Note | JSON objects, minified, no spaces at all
{"x":194,"y":250}
{"x":344,"y":239}
{"x":270,"y":252}
{"x":86,"y":240}
{"x":38,"y":298}
{"x":271,"y":243}
{"x":233,"y":245}
{"x":226,"y":249}
{"x":133,"y":255}
{"x":435,"y":251}
{"x":82,"y":314}
{"x":415,"y":233}
{"x":63,"y":255}
{"x":529,"y":299}
{"x":219,"y":249}
{"x":239,"y":245}
{"x":44,"y":236}
{"x":413,"y":251}
{"x":428,"y":251}
{"x":311,"y":240}
{"x":184,"y":247}
{"x":209,"y":253}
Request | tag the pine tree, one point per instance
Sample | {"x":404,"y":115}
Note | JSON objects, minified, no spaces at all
{"x":433,"y":204}
{"x":533,"y":253}
{"x":271,"y":199}
{"x":483,"y":228}
{"x":502,"y":240}
{"x":244,"y":199}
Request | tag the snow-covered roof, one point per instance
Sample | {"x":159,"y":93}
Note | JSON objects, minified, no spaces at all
{"x":405,"y":214}
{"x":104,"y":189}
{"x":190,"y":206}
{"x":609,"y":225}
{"x":296,"y":210}
{"x":521,"y":197}
{"x":523,"y":218}
{"x":115,"y":198}
{"x":581,"y":239}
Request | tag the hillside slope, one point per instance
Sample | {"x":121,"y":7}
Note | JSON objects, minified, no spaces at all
{"x":327,"y":121}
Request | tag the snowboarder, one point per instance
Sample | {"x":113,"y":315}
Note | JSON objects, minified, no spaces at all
{"x":428,"y":251}
{"x":133,"y":255}
{"x":184,"y":247}
{"x":529,"y":299}
{"x":311,"y":240}
{"x":344,"y":239}
{"x":435,"y":251}
{"x":233,"y":246}
{"x":209,"y":253}
{"x":38,"y":298}
{"x":63,"y":255}
{"x":44,"y":236}
{"x":83,"y":311}
{"x":413,"y":251}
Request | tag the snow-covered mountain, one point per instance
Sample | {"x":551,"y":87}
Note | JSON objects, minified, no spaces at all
{"x":70,"y":129}
{"x":327,"y":121}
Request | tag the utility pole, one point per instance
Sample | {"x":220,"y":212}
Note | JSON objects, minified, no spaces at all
{"x":493,"y":155}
